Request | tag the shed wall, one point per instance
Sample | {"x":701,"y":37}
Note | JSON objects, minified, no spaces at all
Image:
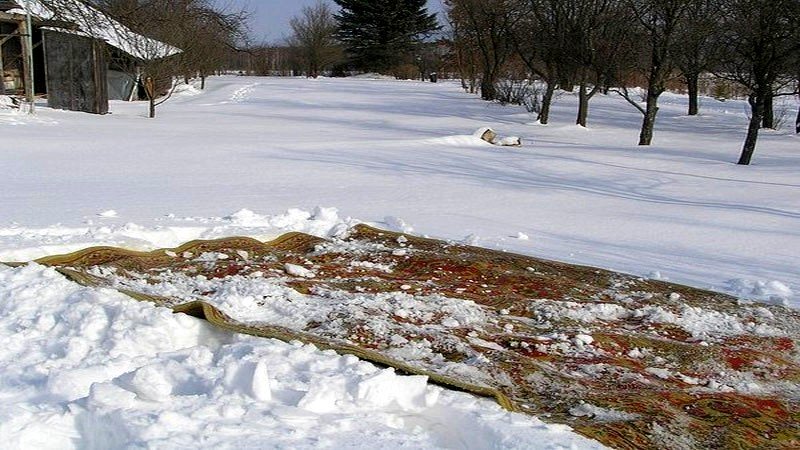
{"x":76,"y":73}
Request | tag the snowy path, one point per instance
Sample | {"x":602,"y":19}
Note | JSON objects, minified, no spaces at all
{"x":679,"y":210}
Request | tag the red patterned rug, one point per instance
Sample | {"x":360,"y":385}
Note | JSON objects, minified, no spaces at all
{"x":631,"y":362}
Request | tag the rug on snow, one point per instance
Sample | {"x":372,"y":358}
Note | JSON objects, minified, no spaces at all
{"x":630,"y":362}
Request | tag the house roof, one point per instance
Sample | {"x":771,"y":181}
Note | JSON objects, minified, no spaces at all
{"x":94,"y":23}
{"x":5,"y":5}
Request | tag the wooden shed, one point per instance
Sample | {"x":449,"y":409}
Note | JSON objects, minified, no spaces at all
{"x":71,"y":48}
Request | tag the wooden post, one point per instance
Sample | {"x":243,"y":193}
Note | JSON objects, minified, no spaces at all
{"x":26,"y":32}
{"x":150,"y":89}
{"x":2,"y":72}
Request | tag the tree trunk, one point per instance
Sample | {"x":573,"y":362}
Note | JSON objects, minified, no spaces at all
{"x":692,"y":81}
{"x":583,"y":105}
{"x":649,"y":122}
{"x":547,"y":100}
{"x":2,"y":72}
{"x":202,"y":81}
{"x":769,"y":112}
{"x":797,"y":122}
{"x":150,"y":90}
{"x":757,"y":102}
{"x":488,"y":91}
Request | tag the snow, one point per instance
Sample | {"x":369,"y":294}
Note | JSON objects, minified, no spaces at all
{"x":510,"y":141}
{"x":664,"y":374}
{"x":377,"y":150}
{"x":602,"y":414}
{"x":298,"y":271}
{"x":773,"y":291}
{"x":263,"y":156}
{"x":109,"y":214}
{"x":89,"y":368}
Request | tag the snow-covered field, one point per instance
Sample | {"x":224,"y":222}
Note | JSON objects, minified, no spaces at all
{"x":260,"y":156}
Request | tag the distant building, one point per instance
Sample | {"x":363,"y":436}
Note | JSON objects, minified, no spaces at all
{"x":81,"y":56}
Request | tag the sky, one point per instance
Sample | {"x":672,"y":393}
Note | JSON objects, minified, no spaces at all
{"x":270,"y":18}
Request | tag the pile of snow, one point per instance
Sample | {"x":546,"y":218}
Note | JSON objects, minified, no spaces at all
{"x":702,"y":324}
{"x":372,"y":76}
{"x":5,"y":103}
{"x":601,"y":414}
{"x":25,"y":244}
{"x":91,"y":368}
{"x":489,"y":135}
{"x":188,"y":90}
{"x":298,"y":271}
{"x":773,"y":291}
{"x":14,"y":114}
{"x":467,"y":140}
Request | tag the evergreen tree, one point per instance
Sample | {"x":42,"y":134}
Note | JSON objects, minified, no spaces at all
{"x":381,"y":34}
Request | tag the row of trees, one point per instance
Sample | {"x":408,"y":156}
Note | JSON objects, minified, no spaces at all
{"x":589,"y":45}
{"x":314,"y":39}
{"x":610,"y":45}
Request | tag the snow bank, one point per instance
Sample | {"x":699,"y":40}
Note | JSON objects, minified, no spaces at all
{"x":91,"y":368}
{"x":25,"y":244}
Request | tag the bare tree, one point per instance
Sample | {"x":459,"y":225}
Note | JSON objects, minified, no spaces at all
{"x":797,"y":122}
{"x":485,"y":24}
{"x":464,"y":54}
{"x":574,"y":41}
{"x":216,"y":33}
{"x":597,"y":39}
{"x":659,"y":22}
{"x":761,"y":43}
{"x":698,"y":51}
{"x":185,"y":37}
{"x":537,"y":40}
{"x":314,"y":38}
{"x":796,"y":65}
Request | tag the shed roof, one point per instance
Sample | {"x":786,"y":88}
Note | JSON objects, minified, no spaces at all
{"x":5,"y":5}
{"x":93,"y":22}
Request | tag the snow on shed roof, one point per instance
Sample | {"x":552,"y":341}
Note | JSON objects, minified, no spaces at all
{"x":99,"y":25}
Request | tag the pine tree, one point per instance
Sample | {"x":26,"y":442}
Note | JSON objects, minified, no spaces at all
{"x":381,"y":34}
